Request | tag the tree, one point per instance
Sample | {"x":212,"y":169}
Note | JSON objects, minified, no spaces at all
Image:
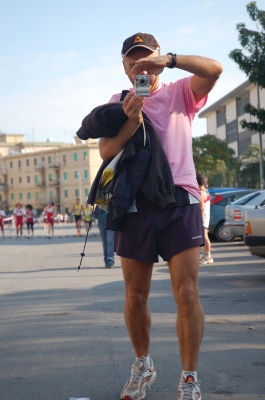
{"x":251,"y":60}
{"x":210,"y":156}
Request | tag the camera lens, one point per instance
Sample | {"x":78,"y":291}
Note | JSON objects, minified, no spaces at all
{"x":143,"y":81}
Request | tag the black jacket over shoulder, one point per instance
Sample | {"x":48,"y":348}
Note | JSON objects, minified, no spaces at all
{"x":141,"y":166}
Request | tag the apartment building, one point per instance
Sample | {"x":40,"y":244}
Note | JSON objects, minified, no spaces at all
{"x":60,"y":173}
{"x":224,"y":116}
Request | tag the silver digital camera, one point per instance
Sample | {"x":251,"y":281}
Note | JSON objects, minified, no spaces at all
{"x":141,"y":85}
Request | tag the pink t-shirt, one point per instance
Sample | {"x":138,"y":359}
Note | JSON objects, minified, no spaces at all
{"x":171,"y":109}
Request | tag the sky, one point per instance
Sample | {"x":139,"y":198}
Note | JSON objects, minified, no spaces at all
{"x":61,"y":58}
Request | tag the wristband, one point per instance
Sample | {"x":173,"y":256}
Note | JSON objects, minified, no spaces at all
{"x":174,"y":60}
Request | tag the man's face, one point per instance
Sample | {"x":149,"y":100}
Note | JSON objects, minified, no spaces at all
{"x":129,"y":61}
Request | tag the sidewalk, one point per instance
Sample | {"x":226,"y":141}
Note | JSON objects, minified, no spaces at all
{"x":60,"y":231}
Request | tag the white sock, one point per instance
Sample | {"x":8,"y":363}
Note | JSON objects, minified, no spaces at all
{"x":188,"y":376}
{"x":145,"y":359}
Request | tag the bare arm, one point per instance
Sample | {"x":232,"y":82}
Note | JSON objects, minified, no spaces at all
{"x":132,"y":107}
{"x":206,"y":71}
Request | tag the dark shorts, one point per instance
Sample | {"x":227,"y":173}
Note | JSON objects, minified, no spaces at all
{"x":30,"y":225}
{"x":77,"y":218}
{"x":147,"y":234}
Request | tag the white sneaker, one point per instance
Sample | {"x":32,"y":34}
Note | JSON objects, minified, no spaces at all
{"x":206,"y":260}
{"x":141,"y":377}
{"x":189,"y":391}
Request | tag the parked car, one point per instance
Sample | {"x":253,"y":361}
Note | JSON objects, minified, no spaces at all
{"x":213,"y":190}
{"x":234,"y":213}
{"x":217,"y":215}
{"x":255,"y":231}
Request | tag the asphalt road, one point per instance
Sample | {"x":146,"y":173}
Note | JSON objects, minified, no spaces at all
{"x":62,"y":332}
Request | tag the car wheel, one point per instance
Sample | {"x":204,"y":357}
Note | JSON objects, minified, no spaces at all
{"x":221,"y":233}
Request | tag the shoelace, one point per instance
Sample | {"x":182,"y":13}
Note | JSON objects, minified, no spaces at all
{"x":136,"y":374}
{"x":188,"y":389}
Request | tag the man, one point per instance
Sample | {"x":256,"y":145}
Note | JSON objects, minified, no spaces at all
{"x":77,"y":210}
{"x":205,"y":209}
{"x":19,"y":214}
{"x":175,"y":232}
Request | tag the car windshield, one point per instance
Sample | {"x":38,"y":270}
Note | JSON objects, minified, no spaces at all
{"x":246,"y":199}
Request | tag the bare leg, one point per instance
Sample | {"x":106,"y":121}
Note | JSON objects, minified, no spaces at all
{"x":137,"y":277}
{"x":190,"y":320}
{"x":207,"y":247}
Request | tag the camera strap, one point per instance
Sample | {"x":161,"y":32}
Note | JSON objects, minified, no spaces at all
{"x":83,"y":252}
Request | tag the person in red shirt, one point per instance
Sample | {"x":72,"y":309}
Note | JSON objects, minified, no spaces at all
{"x":49,"y":213}
{"x":19,"y":214}
{"x":30,"y":219}
{"x":2,"y":215}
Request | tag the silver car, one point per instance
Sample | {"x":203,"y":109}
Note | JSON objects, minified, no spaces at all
{"x":255,"y":231}
{"x":234,"y":213}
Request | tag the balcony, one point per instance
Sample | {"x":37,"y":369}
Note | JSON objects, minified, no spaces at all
{"x":55,"y":166}
{"x":40,"y":167}
{"x":40,"y":184}
{"x":3,"y":186}
{"x":55,"y":183}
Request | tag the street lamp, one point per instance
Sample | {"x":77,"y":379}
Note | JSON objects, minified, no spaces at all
{"x":260,"y":149}
{"x":227,"y":116}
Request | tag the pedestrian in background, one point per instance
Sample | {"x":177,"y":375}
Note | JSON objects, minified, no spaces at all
{"x":87,"y":214}
{"x":49,"y":214}
{"x":77,"y":210}
{"x":205,"y":209}
{"x":107,"y":237}
{"x":2,"y":223}
{"x":19,"y":214}
{"x":30,"y":219}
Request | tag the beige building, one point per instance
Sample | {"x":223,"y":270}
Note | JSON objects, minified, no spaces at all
{"x":35,"y":173}
{"x":224,"y":116}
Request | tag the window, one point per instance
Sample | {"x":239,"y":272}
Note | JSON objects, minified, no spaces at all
{"x":245,"y":199}
{"x":19,"y":164}
{"x":244,"y":140}
{"x":76,"y":175}
{"x":35,"y":161}
{"x":86,"y":192}
{"x":12,"y":196}
{"x":231,"y":131}
{"x":12,"y":181}
{"x":27,"y":163}
{"x":241,"y":103}
{"x":66,"y":193}
{"x":85,"y":174}
{"x":51,"y":193}
{"x":29,"y":195}
{"x":67,"y":210}
{"x":50,"y":177}
{"x":85,"y":155}
{"x":11,"y":164}
{"x":76,"y":193}
{"x":49,"y":160}
{"x":220,"y":117}
{"x":36,"y":195}
{"x":75,"y":157}
{"x":28,"y":179}
{"x":64,"y":159}
{"x":65,"y":176}
{"x":20,"y":196}
{"x":36,"y":178}
{"x":20,"y":179}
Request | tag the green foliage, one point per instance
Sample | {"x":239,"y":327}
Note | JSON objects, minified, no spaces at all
{"x":259,"y":114}
{"x":251,"y":59}
{"x":212,"y":157}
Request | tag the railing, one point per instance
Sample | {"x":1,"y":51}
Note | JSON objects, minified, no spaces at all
{"x":40,"y":167}
{"x":55,"y":166}
{"x":54,"y":183}
{"x":3,"y":186}
{"x":40,"y":184}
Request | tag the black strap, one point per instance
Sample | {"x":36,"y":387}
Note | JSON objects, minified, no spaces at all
{"x":83,"y":252}
{"x":174,"y":60}
{"x":124,"y":94}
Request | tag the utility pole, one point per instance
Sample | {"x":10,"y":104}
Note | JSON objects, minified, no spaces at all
{"x":260,"y":149}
